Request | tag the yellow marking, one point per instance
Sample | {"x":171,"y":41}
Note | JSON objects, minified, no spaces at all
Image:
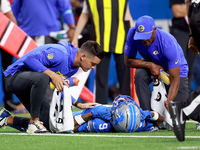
{"x":155,"y":53}
{"x":107,"y":23}
{"x":94,"y":10}
{"x":121,"y":32}
{"x":141,"y":28}
{"x":50,"y":56}
{"x":176,"y":62}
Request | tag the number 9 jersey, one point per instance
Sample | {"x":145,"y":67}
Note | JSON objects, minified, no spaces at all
{"x":96,"y":125}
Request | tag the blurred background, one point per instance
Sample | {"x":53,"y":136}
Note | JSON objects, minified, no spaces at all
{"x":159,"y":10}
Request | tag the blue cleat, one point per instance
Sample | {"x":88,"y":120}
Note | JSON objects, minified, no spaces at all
{"x":4,"y":114}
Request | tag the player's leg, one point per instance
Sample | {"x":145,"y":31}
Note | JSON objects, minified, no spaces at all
{"x":193,"y":106}
{"x":123,"y":74}
{"x":142,"y":81}
{"x":19,"y":123}
{"x":30,"y":87}
{"x":8,"y":98}
{"x":44,"y":113}
{"x":102,"y":70}
{"x":175,"y":109}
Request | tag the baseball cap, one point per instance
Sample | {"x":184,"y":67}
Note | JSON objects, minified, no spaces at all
{"x":144,"y":28}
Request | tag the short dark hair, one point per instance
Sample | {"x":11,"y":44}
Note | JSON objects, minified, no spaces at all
{"x":92,"y":48}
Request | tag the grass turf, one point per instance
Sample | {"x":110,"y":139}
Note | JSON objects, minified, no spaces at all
{"x":161,"y":140}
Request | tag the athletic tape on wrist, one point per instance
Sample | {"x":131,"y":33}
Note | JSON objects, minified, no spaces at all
{"x":156,"y":116}
{"x":79,"y":119}
{"x":77,"y":102}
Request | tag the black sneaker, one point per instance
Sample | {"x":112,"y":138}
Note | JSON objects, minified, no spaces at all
{"x":178,"y":120}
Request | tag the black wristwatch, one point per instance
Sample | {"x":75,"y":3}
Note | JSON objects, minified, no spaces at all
{"x":190,"y":35}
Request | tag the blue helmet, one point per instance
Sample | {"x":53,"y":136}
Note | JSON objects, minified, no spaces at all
{"x":125,"y":114}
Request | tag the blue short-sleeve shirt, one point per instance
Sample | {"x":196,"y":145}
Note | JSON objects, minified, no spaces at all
{"x":164,"y":51}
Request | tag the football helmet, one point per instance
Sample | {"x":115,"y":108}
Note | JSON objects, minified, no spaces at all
{"x":125,"y":114}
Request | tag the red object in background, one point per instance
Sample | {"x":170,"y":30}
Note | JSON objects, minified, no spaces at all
{"x":10,"y":1}
{"x":87,"y":95}
{"x":13,"y":39}
{"x":132,"y":84}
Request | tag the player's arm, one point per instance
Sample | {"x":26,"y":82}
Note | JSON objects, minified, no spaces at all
{"x":174,"y":76}
{"x":6,"y":10}
{"x":58,"y":80}
{"x":11,"y":16}
{"x":191,"y":43}
{"x":157,"y":118}
{"x":138,"y":63}
{"x":128,"y":17}
{"x":39,"y":61}
{"x":101,"y":112}
{"x":82,"y":21}
{"x":66,"y":10}
{"x":84,"y":105}
{"x":173,"y":62}
{"x":80,"y":119}
{"x":179,"y":10}
{"x":16,"y":6}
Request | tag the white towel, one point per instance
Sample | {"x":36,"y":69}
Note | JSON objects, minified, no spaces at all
{"x":61,"y":118}
{"x":158,"y":96}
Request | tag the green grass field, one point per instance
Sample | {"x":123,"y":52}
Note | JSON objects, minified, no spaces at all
{"x":12,"y":139}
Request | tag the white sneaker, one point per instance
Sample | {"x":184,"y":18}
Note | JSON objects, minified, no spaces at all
{"x":36,"y":127}
{"x":198,"y":126}
{"x":4,"y":114}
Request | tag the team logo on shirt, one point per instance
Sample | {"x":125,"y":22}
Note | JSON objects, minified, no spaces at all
{"x":155,"y":53}
{"x":58,"y":72}
{"x":141,"y":28}
{"x":50,"y":56}
{"x":176,"y":62}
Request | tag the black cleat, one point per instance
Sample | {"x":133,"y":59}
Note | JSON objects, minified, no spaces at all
{"x":177,"y":120}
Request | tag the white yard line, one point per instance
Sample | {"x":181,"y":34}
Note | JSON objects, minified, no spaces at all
{"x":188,"y":147}
{"x":103,"y":135}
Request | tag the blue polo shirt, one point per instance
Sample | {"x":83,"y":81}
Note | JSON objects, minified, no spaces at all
{"x":40,"y":17}
{"x":164,"y":51}
{"x":56,"y":57}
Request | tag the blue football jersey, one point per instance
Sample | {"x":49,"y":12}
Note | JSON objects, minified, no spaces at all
{"x":99,"y":125}
{"x":96,"y":125}
{"x":145,"y":121}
